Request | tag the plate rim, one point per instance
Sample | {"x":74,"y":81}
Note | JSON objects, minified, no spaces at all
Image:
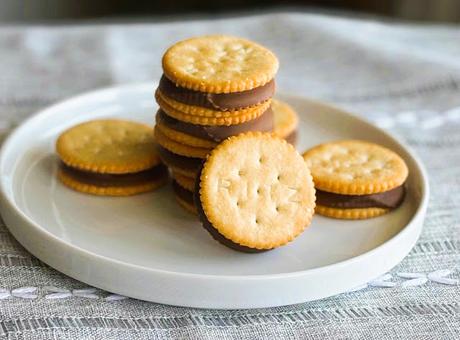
{"x":8,"y":201}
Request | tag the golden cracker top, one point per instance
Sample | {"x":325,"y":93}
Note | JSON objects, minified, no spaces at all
{"x":108,"y":146}
{"x":257,"y":191}
{"x":219,"y":64}
{"x":355,"y":167}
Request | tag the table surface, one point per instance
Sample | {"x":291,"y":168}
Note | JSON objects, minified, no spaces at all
{"x":405,"y":78}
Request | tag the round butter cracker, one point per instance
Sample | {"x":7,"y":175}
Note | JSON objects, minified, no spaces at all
{"x":353,"y":167}
{"x":285,"y":118}
{"x":211,"y":117}
{"x":108,"y":146}
{"x":184,"y":197}
{"x":134,"y":189}
{"x":179,"y":148}
{"x":256,"y":191}
{"x":185,"y":138}
{"x":219,"y":64}
{"x":194,"y":110}
{"x":186,"y":205}
{"x":185,"y":182}
{"x":350,"y":214}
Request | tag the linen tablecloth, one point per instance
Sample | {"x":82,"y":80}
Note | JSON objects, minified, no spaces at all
{"x":406,"y":78}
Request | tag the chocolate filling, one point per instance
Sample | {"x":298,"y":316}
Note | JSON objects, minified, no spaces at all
{"x":115,"y":180}
{"x":213,"y":231}
{"x":389,"y":199}
{"x":292,"y":138}
{"x":185,"y":163}
{"x":217,"y":101}
{"x":183,"y":193}
{"x":263,"y":123}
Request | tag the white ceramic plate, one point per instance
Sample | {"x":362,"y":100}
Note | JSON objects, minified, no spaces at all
{"x":146,"y":247}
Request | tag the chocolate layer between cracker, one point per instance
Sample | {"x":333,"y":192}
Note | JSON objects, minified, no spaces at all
{"x":183,"y":193}
{"x":390,"y":199}
{"x":217,"y":101}
{"x":217,"y":133}
{"x":189,"y":164}
{"x":114,"y":180}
